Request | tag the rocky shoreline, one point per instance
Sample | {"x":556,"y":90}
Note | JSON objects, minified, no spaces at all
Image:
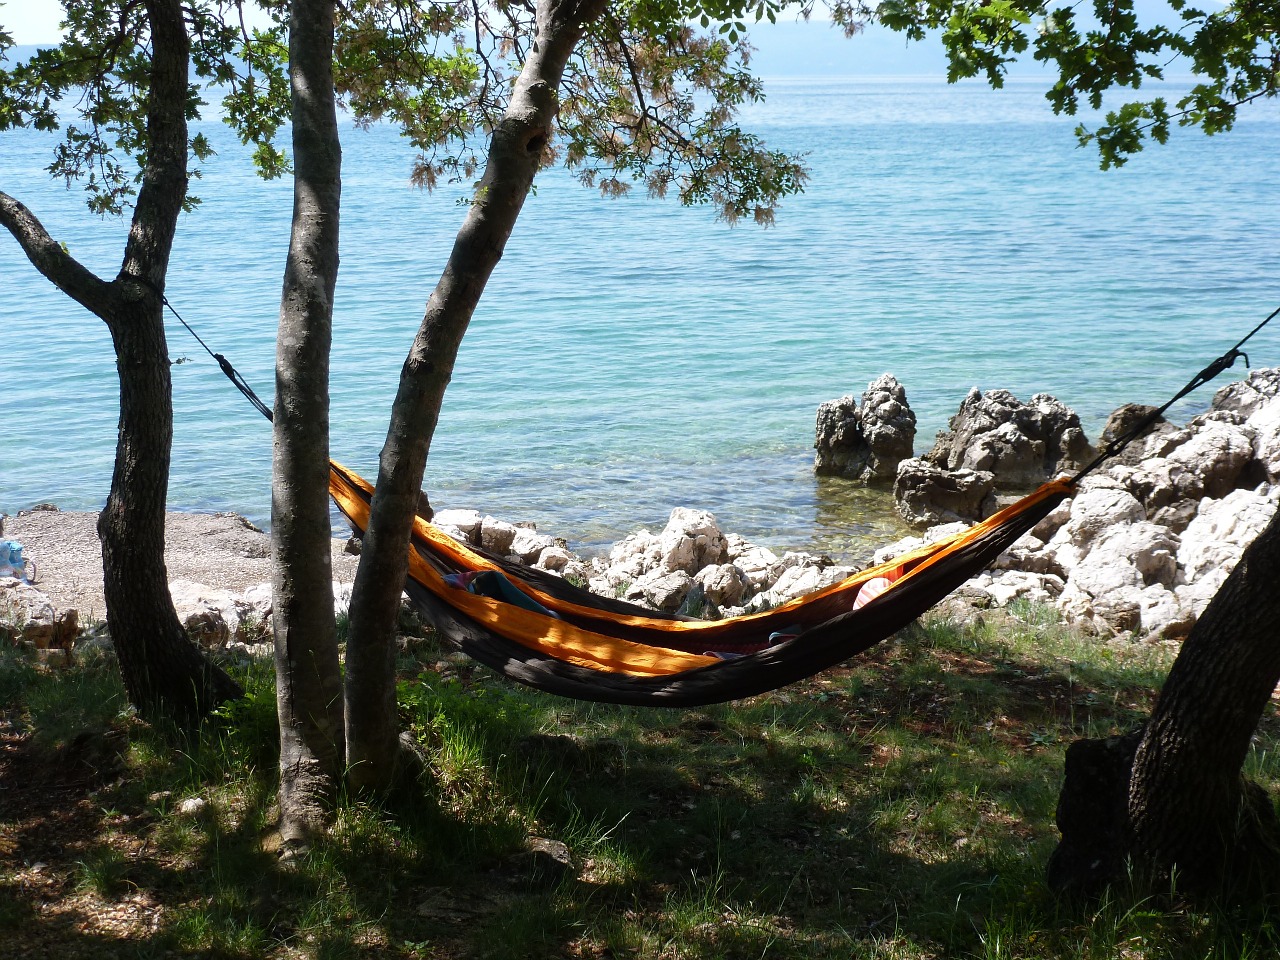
{"x":1138,"y":552}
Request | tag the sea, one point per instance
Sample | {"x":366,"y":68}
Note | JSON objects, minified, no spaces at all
{"x":632,"y":355}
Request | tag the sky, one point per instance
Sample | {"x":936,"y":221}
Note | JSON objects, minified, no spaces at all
{"x":787,"y":49}
{"x":812,"y":48}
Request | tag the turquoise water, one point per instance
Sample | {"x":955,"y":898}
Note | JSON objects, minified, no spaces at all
{"x":632,"y":355}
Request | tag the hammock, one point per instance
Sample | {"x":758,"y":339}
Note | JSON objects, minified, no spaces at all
{"x":567,"y":641}
{"x":541,"y":630}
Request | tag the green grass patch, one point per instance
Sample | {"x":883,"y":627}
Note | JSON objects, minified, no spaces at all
{"x":900,"y":806}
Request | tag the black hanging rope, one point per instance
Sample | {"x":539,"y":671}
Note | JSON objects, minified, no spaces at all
{"x":224,"y":364}
{"x":1224,"y":362}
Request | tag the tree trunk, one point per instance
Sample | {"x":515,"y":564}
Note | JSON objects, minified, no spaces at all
{"x":308,"y":676}
{"x":164,"y":673}
{"x":1170,"y":800}
{"x":515,"y":154}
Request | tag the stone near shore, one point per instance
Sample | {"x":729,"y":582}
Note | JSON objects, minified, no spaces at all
{"x":1021,"y":444}
{"x":1140,"y":550}
{"x":1148,"y":539}
{"x":865,"y":440}
{"x":927,"y":495}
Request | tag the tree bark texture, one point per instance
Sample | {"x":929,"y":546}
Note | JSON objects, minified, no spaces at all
{"x":1171,"y":801}
{"x":308,"y":676}
{"x":515,"y":154}
{"x":164,"y":673}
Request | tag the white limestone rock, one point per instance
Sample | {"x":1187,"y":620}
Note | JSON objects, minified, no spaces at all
{"x":497,"y":536}
{"x":690,"y":541}
{"x":1246,"y":397}
{"x":755,"y":562}
{"x":1100,"y":506}
{"x":1002,"y":588}
{"x":664,"y":590}
{"x":528,"y":544}
{"x":465,"y":522}
{"x":724,"y":583}
{"x":1214,"y":540}
{"x":554,"y":558}
{"x":1265,"y":424}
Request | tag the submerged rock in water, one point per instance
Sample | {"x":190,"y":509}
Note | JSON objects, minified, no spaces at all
{"x":865,"y":441}
{"x":927,"y":495}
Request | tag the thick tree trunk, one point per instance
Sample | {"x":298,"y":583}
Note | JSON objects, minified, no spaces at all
{"x":515,"y":153}
{"x":1170,"y":801}
{"x":308,"y":677}
{"x":164,"y":672}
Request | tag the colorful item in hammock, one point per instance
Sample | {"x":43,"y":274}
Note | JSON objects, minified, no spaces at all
{"x":873,"y":588}
{"x":490,"y":583}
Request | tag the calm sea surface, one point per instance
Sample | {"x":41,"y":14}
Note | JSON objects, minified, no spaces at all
{"x":632,"y":355}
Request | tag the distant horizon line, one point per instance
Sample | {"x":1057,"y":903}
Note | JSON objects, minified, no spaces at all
{"x":1028,"y":73}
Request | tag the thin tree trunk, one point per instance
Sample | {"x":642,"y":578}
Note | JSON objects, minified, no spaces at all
{"x":308,"y":677}
{"x":1169,"y":801}
{"x":515,"y":154}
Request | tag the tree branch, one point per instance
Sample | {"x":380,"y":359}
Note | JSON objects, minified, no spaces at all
{"x":49,"y":257}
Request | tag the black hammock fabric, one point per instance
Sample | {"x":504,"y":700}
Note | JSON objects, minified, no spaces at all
{"x":572,"y":643}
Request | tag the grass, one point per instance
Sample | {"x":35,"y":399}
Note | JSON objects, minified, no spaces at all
{"x":898,"y":807}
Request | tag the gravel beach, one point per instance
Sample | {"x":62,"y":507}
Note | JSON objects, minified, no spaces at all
{"x":222,"y":550}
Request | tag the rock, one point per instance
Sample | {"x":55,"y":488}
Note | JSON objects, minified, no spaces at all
{"x":528,"y":544}
{"x":449,"y":530}
{"x":1213,"y":541}
{"x":215,"y":617}
{"x":867,"y":441}
{"x":543,"y":863}
{"x":1022,"y":444}
{"x":725,"y":585}
{"x":1212,"y":458}
{"x":838,"y":439}
{"x":1003,"y":588}
{"x":1127,"y":558}
{"x":577,"y":571}
{"x":1265,"y":424}
{"x":466,"y":522}
{"x":1030,"y":555}
{"x":663,"y":590}
{"x":497,"y":535}
{"x":926,"y":494}
{"x":690,"y":541}
{"x":1246,"y":397}
{"x":193,"y":807}
{"x":756,"y":563}
{"x":555,"y":558}
{"x":1125,"y":418}
{"x":31,"y":618}
{"x":795,"y":581}
{"x":898,"y":547}
{"x":1101,"y":505}
{"x":1163,"y":614}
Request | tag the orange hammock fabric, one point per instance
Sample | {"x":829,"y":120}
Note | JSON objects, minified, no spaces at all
{"x":583,"y":646}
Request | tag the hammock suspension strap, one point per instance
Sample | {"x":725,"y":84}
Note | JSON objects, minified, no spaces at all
{"x":1224,"y":362}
